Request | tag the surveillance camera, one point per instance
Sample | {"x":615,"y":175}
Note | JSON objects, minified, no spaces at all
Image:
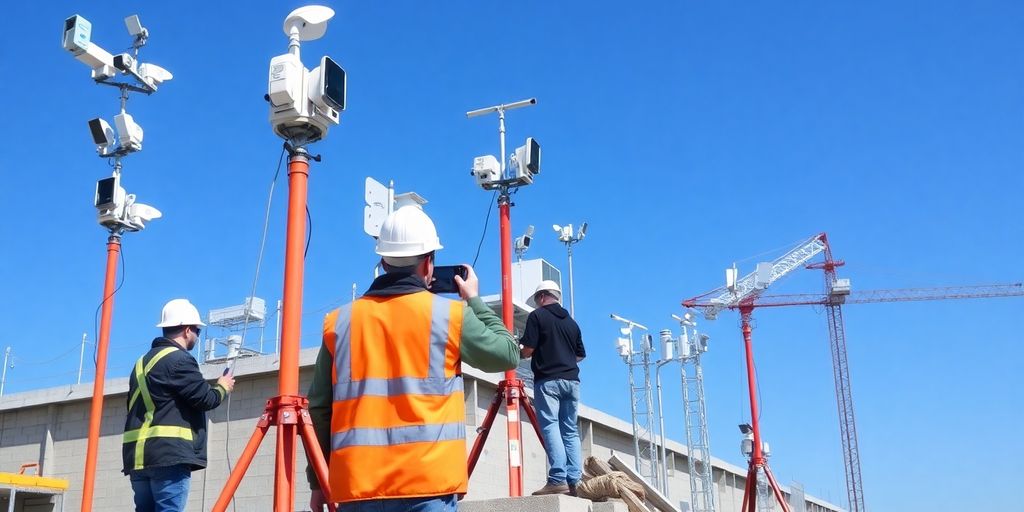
{"x":154,"y":75}
{"x":487,"y":171}
{"x":103,"y":136}
{"x":124,"y":63}
{"x":77,"y":40}
{"x":128,"y":132}
{"x":308,"y":23}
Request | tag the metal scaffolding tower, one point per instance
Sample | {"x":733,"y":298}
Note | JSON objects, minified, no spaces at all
{"x":702,"y":487}
{"x":641,"y":403}
{"x":687,"y":350}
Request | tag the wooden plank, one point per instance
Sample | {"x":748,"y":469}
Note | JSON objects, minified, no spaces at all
{"x":597,"y":467}
{"x":653,"y":496}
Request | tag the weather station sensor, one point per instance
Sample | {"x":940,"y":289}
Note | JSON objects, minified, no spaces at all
{"x":304,"y":103}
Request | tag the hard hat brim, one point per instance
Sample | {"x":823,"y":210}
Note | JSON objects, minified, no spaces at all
{"x":170,"y":324}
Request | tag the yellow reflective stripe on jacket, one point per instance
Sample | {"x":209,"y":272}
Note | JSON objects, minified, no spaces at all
{"x":146,"y":431}
{"x":158,"y":431}
{"x":149,"y":366}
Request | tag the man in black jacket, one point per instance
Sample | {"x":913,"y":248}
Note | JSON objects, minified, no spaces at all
{"x":165,"y":431}
{"x":553,"y":339}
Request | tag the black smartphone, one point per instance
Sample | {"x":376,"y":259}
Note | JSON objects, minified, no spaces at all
{"x":444,"y":278}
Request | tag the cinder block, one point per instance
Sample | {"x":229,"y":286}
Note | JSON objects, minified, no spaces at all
{"x":614,"y":505}
{"x":549,"y":503}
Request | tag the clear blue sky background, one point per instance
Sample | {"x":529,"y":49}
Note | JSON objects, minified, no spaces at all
{"x":690,"y":135}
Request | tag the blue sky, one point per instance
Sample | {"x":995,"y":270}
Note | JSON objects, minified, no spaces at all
{"x":689,"y":135}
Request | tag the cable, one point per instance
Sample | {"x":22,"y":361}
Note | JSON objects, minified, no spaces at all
{"x":252,"y":294}
{"x":487,"y":221}
{"x":95,"y":316}
{"x":309,"y":232}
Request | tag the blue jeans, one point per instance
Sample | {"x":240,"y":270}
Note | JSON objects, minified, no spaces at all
{"x":557,"y":402}
{"x":163,"y":489}
{"x":434,"y":504}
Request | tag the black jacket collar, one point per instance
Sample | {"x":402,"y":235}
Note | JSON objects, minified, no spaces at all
{"x":395,"y":283}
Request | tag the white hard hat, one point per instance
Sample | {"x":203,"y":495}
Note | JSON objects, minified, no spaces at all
{"x":545,"y":286}
{"x":179,"y":312}
{"x":408,"y":231}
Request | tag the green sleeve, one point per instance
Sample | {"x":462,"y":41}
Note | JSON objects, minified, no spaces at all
{"x":321,"y":396}
{"x":486,"y":343}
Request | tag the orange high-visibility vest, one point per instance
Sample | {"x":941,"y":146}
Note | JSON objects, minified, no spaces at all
{"x":398,"y":421}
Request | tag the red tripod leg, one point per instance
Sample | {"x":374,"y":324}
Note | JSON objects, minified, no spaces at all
{"x":532,"y":414}
{"x":750,"y":491}
{"x":242,"y":465}
{"x":485,"y":428}
{"x":776,"y":489}
{"x":316,"y":458}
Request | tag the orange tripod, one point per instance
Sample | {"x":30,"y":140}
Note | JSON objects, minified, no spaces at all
{"x":510,"y":390}
{"x":288,"y":411}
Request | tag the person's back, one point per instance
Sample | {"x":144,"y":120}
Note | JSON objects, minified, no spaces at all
{"x":401,"y":396}
{"x":387,"y":393}
{"x":558,"y":343}
{"x":552,"y":338}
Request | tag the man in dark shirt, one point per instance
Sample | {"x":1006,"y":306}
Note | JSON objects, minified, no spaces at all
{"x":553,"y":339}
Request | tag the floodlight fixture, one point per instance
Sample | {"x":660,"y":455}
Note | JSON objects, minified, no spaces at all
{"x":745,"y":428}
{"x":582,"y":232}
{"x":522,"y":243}
{"x":103,"y":136}
{"x":525,"y":162}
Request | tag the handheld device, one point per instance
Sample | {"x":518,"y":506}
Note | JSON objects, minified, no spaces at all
{"x":444,"y":278}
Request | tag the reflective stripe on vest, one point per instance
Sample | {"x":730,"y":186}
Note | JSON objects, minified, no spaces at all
{"x":146,"y":431}
{"x":398,"y":435}
{"x":398,"y":400}
{"x":434,"y":384}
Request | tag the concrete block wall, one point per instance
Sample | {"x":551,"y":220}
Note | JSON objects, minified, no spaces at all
{"x":51,"y":425}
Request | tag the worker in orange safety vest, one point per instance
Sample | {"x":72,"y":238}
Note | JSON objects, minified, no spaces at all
{"x":387,"y":393}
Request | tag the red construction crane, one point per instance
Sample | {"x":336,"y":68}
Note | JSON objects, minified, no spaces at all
{"x":746,"y":294}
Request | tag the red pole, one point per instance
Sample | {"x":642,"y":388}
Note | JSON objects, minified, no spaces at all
{"x":757,"y":457}
{"x":515,"y":437}
{"x":291,"y":311}
{"x":102,"y":344}
{"x":291,"y":318}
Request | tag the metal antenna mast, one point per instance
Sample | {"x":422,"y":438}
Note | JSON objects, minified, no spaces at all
{"x":641,"y":402}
